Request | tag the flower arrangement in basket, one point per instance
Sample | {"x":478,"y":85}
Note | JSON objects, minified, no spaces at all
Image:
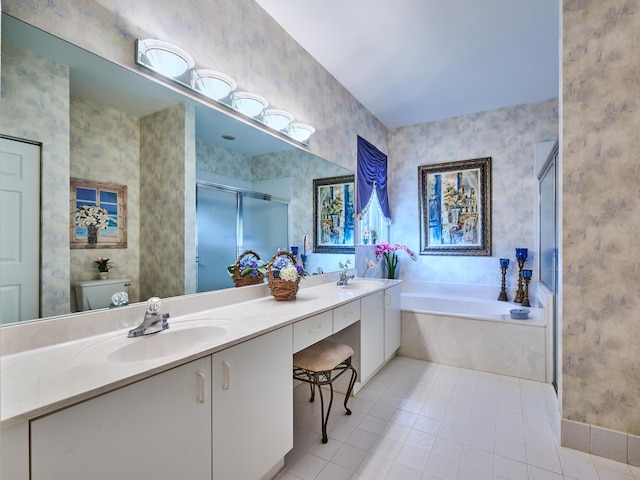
{"x":284,"y":273}
{"x":248,"y":269}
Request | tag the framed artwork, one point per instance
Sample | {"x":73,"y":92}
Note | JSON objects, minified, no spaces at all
{"x":455,"y":208}
{"x":333,"y":209}
{"x":98,"y":214}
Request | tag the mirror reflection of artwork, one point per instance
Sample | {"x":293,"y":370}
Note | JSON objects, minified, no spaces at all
{"x":456,"y":208}
{"x":333,"y":211}
{"x":98,"y":214}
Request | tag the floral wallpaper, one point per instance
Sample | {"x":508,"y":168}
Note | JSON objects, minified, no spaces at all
{"x":94,"y":131}
{"x":507,"y":136}
{"x":601,"y":225}
{"x":35,"y":106}
{"x":167,"y":202}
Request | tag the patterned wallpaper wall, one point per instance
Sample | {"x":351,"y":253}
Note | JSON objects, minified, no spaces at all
{"x":167,"y":202}
{"x":601,"y":297}
{"x":105,"y":147}
{"x":508,"y":136}
{"x":35,"y":106}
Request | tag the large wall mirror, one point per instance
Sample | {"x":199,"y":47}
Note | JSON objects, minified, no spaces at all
{"x":102,"y":122}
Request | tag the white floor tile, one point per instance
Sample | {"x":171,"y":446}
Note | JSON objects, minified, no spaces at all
{"x":422,"y":421}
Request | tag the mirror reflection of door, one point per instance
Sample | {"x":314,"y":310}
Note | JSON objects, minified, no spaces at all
{"x":20,"y":230}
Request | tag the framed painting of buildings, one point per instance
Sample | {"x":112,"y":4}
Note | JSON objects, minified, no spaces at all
{"x":455,"y":208}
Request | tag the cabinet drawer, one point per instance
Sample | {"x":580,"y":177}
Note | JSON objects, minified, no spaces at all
{"x":345,"y":315}
{"x":311,"y":330}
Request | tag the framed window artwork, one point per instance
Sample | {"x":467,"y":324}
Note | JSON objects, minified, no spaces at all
{"x":98,"y":214}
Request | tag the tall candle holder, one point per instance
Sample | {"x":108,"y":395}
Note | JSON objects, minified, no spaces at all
{"x":504,"y":264}
{"x":526,"y":276}
{"x":521,"y":257}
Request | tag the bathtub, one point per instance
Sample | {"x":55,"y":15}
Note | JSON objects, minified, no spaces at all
{"x":465,"y":326}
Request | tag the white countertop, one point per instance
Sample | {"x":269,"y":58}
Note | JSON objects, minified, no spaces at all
{"x":41,"y":380}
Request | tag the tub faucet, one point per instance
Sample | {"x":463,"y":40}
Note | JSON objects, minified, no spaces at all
{"x":153,"y":322}
{"x":344,"y":278}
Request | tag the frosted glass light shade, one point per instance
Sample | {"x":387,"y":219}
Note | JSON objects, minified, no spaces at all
{"x":213,"y":84}
{"x":164,"y":57}
{"x":249,"y":104}
{"x":277,"y":119}
{"x":300,"y":131}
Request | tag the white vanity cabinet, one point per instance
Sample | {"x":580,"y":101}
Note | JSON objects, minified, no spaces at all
{"x":371,"y":335}
{"x":392,"y":321}
{"x":380,"y":333}
{"x":159,"y":428}
{"x":252,"y":406}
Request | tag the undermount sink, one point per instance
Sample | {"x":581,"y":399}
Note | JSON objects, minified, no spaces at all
{"x":357,"y":284}
{"x":179,"y":338}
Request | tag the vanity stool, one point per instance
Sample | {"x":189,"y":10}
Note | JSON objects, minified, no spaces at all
{"x":321,"y":364}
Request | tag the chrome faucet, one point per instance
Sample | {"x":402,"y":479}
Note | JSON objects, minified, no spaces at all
{"x":153,"y":322}
{"x":344,"y":278}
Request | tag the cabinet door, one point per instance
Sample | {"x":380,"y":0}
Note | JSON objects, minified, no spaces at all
{"x":157,"y":428}
{"x":252,"y":406}
{"x":371,"y":334}
{"x":392,"y":321}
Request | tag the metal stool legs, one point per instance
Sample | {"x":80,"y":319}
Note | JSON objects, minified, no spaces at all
{"x":325,"y":378}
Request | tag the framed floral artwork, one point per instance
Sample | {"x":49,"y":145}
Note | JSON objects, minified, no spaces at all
{"x":333,"y":209}
{"x":98,"y":214}
{"x":455,"y":208}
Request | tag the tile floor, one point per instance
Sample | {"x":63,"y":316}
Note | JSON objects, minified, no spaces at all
{"x":421,"y":421}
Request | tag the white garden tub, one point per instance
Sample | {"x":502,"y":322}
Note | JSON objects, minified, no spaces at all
{"x":465,"y":326}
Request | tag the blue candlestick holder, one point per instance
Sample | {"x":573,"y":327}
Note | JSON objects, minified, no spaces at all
{"x":526,"y":276}
{"x":504,"y":264}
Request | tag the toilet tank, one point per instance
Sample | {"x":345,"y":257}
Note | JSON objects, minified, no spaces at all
{"x":93,"y":294}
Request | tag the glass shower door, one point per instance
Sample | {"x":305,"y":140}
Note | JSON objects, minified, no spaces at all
{"x":265,"y":225}
{"x":216,"y":214}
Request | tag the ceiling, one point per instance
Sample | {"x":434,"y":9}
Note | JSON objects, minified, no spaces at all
{"x":416,"y":61}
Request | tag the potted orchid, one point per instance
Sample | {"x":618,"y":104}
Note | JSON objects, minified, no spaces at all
{"x":92,"y":218}
{"x":390,"y":257}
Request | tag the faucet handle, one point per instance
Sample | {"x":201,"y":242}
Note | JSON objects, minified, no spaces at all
{"x":154,"y":305}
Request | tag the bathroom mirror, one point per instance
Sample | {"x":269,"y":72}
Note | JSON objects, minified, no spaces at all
{"x":106,"y":103}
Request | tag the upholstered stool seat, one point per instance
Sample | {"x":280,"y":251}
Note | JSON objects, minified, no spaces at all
{"x":321,"y":364}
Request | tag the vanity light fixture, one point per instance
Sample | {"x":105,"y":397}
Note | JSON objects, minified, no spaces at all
{"x":300,"y":132}
{"x":277,"y":119}
{"x":215,"y":85}
{"x":249,"y":104}
{"x":164,"y":57}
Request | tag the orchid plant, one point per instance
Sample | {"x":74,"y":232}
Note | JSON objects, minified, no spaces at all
{"x":388,"y":253}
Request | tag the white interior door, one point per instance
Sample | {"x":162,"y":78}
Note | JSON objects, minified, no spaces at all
{"x":20,"y":231}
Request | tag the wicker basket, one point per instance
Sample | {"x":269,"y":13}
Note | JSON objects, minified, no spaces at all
{"x":282,"y":290}
{"x":241,"y":281}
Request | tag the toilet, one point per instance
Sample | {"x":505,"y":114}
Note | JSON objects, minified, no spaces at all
{"x":94,"y":294}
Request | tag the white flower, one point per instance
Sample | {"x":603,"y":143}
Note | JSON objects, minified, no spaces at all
{"x":371,"y":264}
{"x":289,"y":273}
{"x":93,"y":215}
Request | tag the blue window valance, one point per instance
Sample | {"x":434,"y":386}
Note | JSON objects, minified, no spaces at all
{"x":372,"y":180}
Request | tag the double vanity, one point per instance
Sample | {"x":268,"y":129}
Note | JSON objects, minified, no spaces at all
{"x":209,"y":398}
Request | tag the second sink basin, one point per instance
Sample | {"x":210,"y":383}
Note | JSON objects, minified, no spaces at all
{"x":180,"y":337}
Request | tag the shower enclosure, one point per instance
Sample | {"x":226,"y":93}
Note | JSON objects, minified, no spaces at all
{"x":231,"y":220}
